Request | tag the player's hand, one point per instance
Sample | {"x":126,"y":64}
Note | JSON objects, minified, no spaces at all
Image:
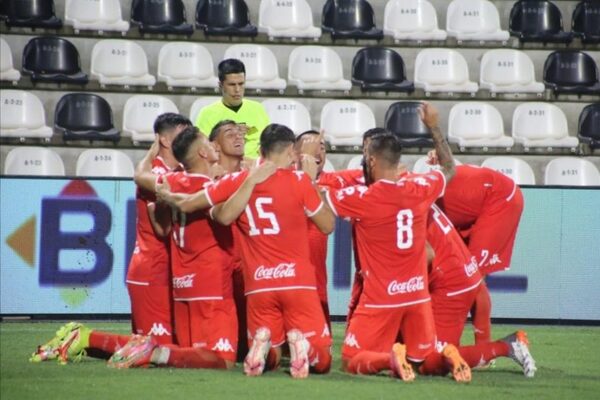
{"x":243,"y":128}
{"x":309,"y":166}
{"x":311,"y":144}
{"x":248,"y":163}
{"x":429,"y":115}
{"x":432,"y":158}
{"x":163,"y":192}
{"x":262,"y":172}
{"x":216,"y":171}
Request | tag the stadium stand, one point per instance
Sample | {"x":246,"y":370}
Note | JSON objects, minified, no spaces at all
{"x":345,"y":121}
{"x":120,"y":62}
{"x":95,"y":15}
{"x":571,"y":171}
{"x":402,"y":119}
{"x":7,"y":70}
{"x":288,"y":112}
{"x":166,"y":16}
{"x":586,"y":21}
{"x":420,"y":23}
{"x":538,"y":21}
{"x":31,"y":14}
{"x":567,"y":71}
{"x":53,"y":59}
{"x":85,"y":116}
{"x":541,"y":125}
{"x":316,"y":68}
{"x":104,"y":163}
{"x":262,"y":71}
{"x":291,"y":19}
{"x":198,"y":104}
{"x":184,"y":64}
{"x":474,"y":20}
{"x":588,"y":129}
{"x":36,"y":161}
{"x":380,"y":69}
{"x":139,"y":115}
{"x":422,"y":167}
{"x":513,"y":167}
{"x":224,"y":18}
{"x":477,"y":124}
{"x":22,"y":115}
{"x":443,"y":70}
{"x":350,"y":19}
{"x":508,"y":71}
{"x":355,"y":162}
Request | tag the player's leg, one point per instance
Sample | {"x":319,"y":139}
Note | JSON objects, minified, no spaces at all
{"x":357,"y":287}
{"x":481,"y":314}
{"x":450,"y":315}
{"x":152,"y":311}
{"x":240,"y":306}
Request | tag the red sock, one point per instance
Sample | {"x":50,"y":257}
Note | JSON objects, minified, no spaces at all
{"x":481,"y":314}
{"x":369,"y":362}
{"x":194,"y":358}
{"x":272,"y":361}
{"x":107,"y":342}
{"x":483,"y":353}
{"x":319,"y":359}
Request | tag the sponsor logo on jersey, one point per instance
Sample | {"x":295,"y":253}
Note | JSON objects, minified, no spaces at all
{"x":414,"y":284}
{"x":471,"y":268}
{"x":182,"y":282}
{"x":223,"y":345}
{"x":283,"y":270}
{"x":158,"y":330}
{"x":350,"y":341}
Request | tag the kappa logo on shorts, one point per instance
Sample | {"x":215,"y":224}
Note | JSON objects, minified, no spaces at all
{"x":439,"y":346}
{"x":158,"y":330}
{"x":414,"y":284}
{"x":351,"y":341}
{"x":182,"y":282}
{"x":325,"y":332}
{"x":283,"y":270}
{"x":223,"y":345}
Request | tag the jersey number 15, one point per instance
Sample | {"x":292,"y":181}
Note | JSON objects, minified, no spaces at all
{"x":262,"y":214}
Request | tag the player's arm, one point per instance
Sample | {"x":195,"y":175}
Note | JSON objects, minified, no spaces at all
{"x":186,"y":203}
{"x":160,"y":219}
{"x":430,"y":255}
{"x":143,"y":176}
{"x":430,"y":117}
{"x":324,"y":219}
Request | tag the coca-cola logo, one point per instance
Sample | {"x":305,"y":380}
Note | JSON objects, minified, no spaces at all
{"x":182,"y":282}
{"x":283,"y":270}
{"x":414,"y":284}
{"x":471,"y":268}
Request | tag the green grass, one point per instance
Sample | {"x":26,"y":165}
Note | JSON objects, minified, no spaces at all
{"x":568,"y":360}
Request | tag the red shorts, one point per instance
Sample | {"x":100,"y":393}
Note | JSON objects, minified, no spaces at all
{"x":283,"y":310}
{"x":491,"y":239}
{"x":209,"y":324}
{"x":357,"y":288}
{"x":377,"y":329}
{"x":450,"y":314}
{"x":151,"y":311}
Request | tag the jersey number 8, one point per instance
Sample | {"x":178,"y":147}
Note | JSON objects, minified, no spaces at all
{"x":404,"y":223}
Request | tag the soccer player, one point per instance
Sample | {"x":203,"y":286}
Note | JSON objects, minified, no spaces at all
{"x":147,"y":277}
{"x":249,"y":114}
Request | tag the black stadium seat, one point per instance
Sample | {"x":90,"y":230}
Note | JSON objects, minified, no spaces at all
{"x":53,"y":59}
{"x":379,"y":68}
{"x":537,"y":21}
{"x":586,"y":21}
{"x":403,"y":120}
{"x":160,"y":16}
{"x":31,"y":13}
{"x":350,"y":19}
{"x":567,"y":71}
{"x":589,"y":126}
{"x":225,"y":18}
{"x":85,"y":116}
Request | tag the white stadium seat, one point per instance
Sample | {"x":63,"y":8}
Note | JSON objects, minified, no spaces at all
{"x":411,"y":20}
{"x":184,"y":64}
{"x":262,"y":71}
{"x":22,"y":115}
{"x":120,"y":62}
{"x":508,"y":71}
{"x":442,"y":70}
{"x":7,"y":70}
{"x":474,"y":20}
{"x":355,"y":162}
{"x":104,"y":163}
{"x":199,"y":104}
{"x":140,"y":112}
{"x":316,"y":68}
{"x":288,"y":112}
{"x":289,"y":19}
{"x":36,"y":161}
{"x":328,"y":167}
{"x":477,"y":124}
{"x":513,"y":167}
{"x":571,"y":171}
{"x":97,"y":15}
{"x":421,"y":166}
{"x":345,"y":121}
{"x":541,"y":125}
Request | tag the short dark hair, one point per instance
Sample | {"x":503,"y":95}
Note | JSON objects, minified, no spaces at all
{"x":308,"y":132}
{"x":230,"y":66}
{"x":169,"y":121}
{"x":374,"y":131}
{"x":275,"y":138}
{"x":182,"y":143}
{"x":214,"y":133}
{"x":386,"y":147}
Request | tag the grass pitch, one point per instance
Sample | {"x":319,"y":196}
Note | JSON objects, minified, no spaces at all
{"x":568,"y":360}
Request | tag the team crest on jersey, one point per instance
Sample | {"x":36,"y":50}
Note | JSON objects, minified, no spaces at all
{"x":222,"y":345}
{"x":158,"y":330}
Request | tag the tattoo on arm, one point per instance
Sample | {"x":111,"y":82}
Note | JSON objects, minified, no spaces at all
{"x":444,"y":154}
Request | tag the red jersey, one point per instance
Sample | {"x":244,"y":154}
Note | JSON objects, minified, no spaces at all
{"x":454,"y":269}
{"x":473,"y":190}
{"x":200,"y":266}
{"x":273,"y":231}
{"x":148,"y":246}
{"x":390,"y":225}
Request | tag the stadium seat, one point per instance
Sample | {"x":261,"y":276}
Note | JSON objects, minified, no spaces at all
{"x":345,"y":121}
{"x":164,"y":16}
{"x":95,"y":15}
{"x":104,"y":163}
{"x":443,"y":70}
{"x":380,"y":69}
{"x":586,"y":21}
{"x":477,"y":124}
{"x":35,"y":161}
{"x":350,"y":19}
{"x":7,"y":71}
{"x":571,"y":171}
{"x":185,"y":64}
{"x":411,"y":20}
{"x":140,"y":112}
{"x":199,"y":104}
{"x":287,"y":19}
{"x":588,"y":130}
{"x":53,"y":59}
{"x":403,"y":120}
{"x":513,"y":167}
{"x":421,"y":166}
{"x":31,"y":14}
{"x":508,"y":71}
{"x":316,"y":68}
{"x":85,"y":116}
{"x":328,"y":167}
{"x":225,"y":18}
{"x":541,"y":125}
{"x":355,"y":162}
{"x":567,"y":71}
{"x":537,"y":21}
{"x":120,"y":62}
{"x":290,"y":113}
{"x":262,"y":71}
{"x":22,"y":115}
{"x":474,"y":20}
